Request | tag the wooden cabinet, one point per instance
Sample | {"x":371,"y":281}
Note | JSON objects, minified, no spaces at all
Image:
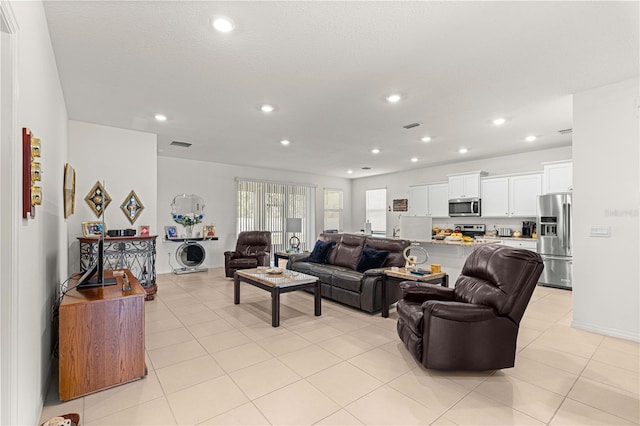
{"x":511,"y":196}
{"x":558,"y":177}
{"x":465,"y":185}
{"x":101,"y":337}
{"x":429,"y":200}
{"x":135,"y":253}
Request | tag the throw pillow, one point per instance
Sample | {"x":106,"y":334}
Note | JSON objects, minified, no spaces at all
{"x":371,"y":258}
{"x":321,"y":251}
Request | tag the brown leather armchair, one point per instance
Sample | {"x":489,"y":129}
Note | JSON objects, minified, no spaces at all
{"x":473,"y":326}
{"x":253,"y":249}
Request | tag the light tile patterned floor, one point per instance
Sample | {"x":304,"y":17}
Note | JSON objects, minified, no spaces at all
{"x":214,"y":363}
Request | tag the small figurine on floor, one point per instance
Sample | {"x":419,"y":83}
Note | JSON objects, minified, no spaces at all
{"x":72,"y":419}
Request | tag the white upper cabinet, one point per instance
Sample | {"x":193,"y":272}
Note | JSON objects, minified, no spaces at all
{"x":439,"y":200}
{"x":429,"y":200}
{"x":418,"y":199}
{"x":465,"y":185}
{"x":495,"y":197}
{"x":523,"y":195}
{"x":558,"y":177}
{"x":511,"y":196}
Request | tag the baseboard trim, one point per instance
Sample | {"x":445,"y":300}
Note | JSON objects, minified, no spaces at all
{"x":605,"y":330}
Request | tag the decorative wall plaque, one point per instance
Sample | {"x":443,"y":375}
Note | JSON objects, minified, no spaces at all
{"x":400,"y":205}
{"x":132,"y":207}
{"x":31,"y":173}
{"x":98,"y":199}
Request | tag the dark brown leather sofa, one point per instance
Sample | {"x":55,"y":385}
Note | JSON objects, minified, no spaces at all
{"x":253,"y":249}
{"x":473,"y":326}
{"x":340,"y":281}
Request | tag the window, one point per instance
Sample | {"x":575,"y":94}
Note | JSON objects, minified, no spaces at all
{"x":376,"y":210}
{"x":267,"y":206}
{"x":333,"y":207}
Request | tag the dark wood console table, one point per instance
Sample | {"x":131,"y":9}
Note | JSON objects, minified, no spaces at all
{"x":101,"y":337}
{"x":138,"y":254}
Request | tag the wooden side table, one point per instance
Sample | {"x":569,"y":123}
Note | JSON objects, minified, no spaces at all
{"x":403,"y":275}
{"x":101,"y":337}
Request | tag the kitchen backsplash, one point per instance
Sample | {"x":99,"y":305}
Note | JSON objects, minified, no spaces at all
{"x":514,"y":224}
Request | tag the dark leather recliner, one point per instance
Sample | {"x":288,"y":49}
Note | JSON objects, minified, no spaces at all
{"x":253,"y":249}
{"x":473,"y":326}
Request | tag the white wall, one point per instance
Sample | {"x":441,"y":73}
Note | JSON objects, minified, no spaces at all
{"x":42,"y":242}
{"x":123,"y":160}
{"x":216,"y":184}
{"x":606,"y":179}
{"x":397,"y":184}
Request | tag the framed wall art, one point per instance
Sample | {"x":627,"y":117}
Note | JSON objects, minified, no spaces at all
{"x":132,"y":206}
{"x":69,"y":190}
{"x":98,"y":199}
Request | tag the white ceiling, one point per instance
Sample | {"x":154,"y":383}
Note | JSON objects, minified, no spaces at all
{"x":327,"y":67}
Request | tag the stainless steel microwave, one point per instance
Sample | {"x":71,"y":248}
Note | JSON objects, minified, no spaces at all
{"x":464,"y":207}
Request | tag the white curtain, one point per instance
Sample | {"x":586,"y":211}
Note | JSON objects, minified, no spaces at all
{"x":266,"y":206}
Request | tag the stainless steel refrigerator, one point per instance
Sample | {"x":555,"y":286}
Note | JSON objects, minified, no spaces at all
{"x":554,"y":240}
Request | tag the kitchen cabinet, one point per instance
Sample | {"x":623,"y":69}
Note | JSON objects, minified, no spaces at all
{"x":438,"y":200}
{"x":558,"y":177}
{"x":429,"y":200}
{"x":465,"y":185}
{"x":418,"y":200}
{"x":511,"y":196}
{"x":524,"y":244}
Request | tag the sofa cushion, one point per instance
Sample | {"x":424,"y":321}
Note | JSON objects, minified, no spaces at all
{"x":324,"y":272}
{"x":371,"y":259}
{"x":301,"y":266}
{"x":349,"y":280}
{"x":348,"y":251}
{"x":393,"y":246}
{"x":321,"y":251}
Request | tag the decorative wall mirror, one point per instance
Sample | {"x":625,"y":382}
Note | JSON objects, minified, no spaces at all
{"x":187,"y":210}
{"x":98,"y":199}
{"x":132,"y":206}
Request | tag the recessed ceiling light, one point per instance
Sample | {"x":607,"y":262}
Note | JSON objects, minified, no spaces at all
{"x":499,"y":121}
{"x":222,"y":24}
{"x":414,"y":160}
{"x":285,"y":142}
{"x":349,"y":171}
{"x":266,"y":108}
{"x":426,"y":139}
{"x":394,"y":98}
{"x":375,"y":151}
{"x":530,"y":138}
{"x":160,"y":117}
{"x":463,"y":150}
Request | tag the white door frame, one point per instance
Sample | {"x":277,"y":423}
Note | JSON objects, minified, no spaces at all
{"x":10,"y":183}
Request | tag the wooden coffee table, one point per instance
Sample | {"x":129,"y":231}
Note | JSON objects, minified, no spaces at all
{"x":277,"y":284}
{"x":401,"y":274}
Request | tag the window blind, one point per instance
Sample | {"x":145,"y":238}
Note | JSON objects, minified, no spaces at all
{"x":267,"y":206}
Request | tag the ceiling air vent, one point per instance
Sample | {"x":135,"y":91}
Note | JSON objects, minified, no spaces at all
{"x":366,"y":168}
{"x":565,"y":131}
{"x":411,"y":125}
{"x":181,"y":144}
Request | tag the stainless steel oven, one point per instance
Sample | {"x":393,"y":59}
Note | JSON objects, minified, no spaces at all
{"x":464,"y":207}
